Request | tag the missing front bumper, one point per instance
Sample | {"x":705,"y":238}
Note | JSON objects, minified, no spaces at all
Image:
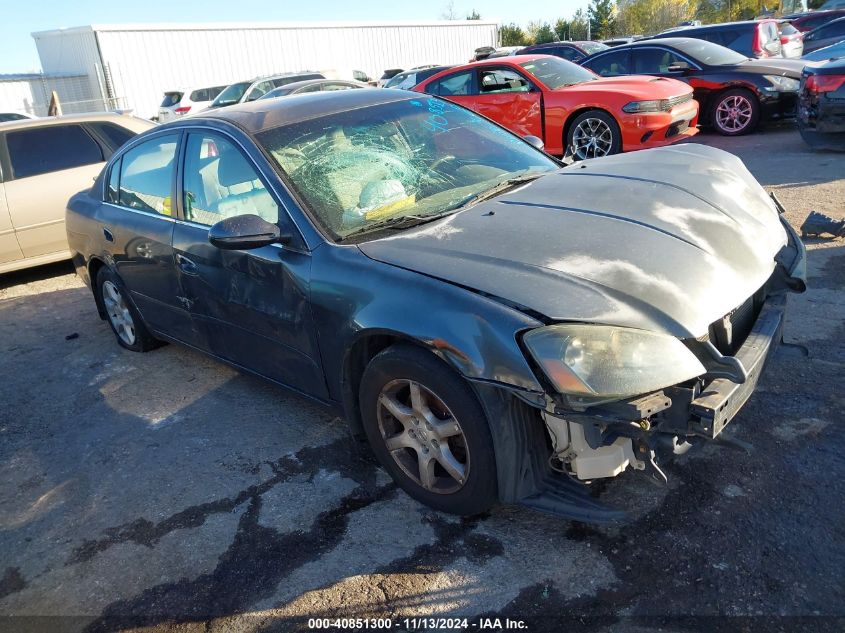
{"x":721,"y":399}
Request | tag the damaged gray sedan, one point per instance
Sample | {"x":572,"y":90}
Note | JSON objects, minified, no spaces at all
{"x":499,"y":328}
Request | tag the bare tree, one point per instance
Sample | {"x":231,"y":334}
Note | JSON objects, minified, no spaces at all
{"x":449,"y":11}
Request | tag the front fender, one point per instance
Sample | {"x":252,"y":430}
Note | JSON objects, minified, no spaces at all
{"x":354,"y":297}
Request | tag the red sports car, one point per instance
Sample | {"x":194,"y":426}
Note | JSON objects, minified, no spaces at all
{"x":570,"y":107}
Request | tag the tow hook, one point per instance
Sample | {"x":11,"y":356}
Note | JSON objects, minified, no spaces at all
{"x":646,"y":455}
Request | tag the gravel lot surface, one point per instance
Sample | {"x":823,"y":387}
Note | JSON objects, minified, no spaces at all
{"x":165,"y":490}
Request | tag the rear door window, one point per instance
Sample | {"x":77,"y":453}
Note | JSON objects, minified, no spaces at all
{"x":653,"y":61}
{"x":311,"y":88}
{"x":51,"y":148}
{"x":565,"y":52}
{"x":457,"y":84}
{"x":610,"y":64}
{"x":114,"y":134}
{"x":259,"y":89}
{"x":146,"y":175}
{"x":200,"y":95}
{"x":337,"y":86}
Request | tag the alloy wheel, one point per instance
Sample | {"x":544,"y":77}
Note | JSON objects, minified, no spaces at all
{"x":423,"y":436}
{"x":734,"y":113}
{"x":119,"y":315}
{"x":592,"y":138}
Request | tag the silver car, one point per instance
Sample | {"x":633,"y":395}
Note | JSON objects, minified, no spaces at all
{"x":244,"y":91}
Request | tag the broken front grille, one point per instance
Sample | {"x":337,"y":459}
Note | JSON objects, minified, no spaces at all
{"x":730,"y":332}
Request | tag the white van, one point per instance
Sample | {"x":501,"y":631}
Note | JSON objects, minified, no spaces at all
{"x":184,"y":101}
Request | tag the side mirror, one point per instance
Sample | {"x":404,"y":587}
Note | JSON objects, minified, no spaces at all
{"x":535,"y":141}
{"x":245,"y":232}
{"x":678,"y":67}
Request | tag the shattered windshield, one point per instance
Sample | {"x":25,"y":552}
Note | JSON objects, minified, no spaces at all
{"x":408,"y":161}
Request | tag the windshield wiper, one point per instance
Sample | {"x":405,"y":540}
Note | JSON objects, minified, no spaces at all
{"x":400,"y":222}
{"x":495,"y":190}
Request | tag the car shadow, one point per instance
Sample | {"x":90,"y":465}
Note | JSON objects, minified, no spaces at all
{"x":36,"y":273}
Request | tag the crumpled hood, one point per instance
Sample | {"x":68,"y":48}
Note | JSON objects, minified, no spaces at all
{"x":667,"y":239}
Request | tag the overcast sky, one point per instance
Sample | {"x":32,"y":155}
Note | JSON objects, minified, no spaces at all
{"x":23,"y":17}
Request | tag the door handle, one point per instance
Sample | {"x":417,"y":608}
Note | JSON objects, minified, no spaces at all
{"x":108,"y":234}
{"x":186,"y":265}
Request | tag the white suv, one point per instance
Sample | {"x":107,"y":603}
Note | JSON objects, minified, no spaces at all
{"x":183,"y":101}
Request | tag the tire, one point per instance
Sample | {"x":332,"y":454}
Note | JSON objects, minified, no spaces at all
{"x":734,"y":112}
{"x":121,"y":314}
{"x":459,"y":436}
{"x":598,"y":130}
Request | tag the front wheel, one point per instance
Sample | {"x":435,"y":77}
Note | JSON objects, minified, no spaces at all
{"x":735,"y":112}
{"x":593,"y":134}
{"x":428,"y":430}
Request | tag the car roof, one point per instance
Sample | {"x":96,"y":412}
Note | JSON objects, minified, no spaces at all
{"x":654,"y":41}
{"x":276,"y":76}
{"x":570,"y":42}
{"x":310,"y":82}
{"x":71,"y":118}
{"x":712,"y":27}
{"x":513,"y":59}
{"x":433,"y":70}
{"x":264,"y":114}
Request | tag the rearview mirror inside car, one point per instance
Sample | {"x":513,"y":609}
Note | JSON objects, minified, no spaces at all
{"x":244,"y":232}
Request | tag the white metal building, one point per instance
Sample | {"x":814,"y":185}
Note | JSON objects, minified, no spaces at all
{"x":134,"y":64}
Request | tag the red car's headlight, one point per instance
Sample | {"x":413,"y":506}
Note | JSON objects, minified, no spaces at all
{"x":638,"y":107}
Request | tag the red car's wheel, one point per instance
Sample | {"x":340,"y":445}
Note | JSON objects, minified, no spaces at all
{"x":593,"y":134}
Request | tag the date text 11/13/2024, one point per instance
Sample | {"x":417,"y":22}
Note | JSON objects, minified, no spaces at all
{"x":417,"y":624}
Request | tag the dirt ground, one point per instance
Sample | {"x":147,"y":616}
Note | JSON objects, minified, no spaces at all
{"x":167,"y":491}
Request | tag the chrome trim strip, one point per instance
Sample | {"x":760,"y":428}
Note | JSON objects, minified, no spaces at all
{"x":140,"y":211}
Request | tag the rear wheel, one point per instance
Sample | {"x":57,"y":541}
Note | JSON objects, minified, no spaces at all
{"x":735,"y":112}
{"x":122,"y":316}
{"x":428,"y":431}
{"x":593,"y":134}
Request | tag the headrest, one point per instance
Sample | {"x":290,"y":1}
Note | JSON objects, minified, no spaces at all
{"x":233,"y":169}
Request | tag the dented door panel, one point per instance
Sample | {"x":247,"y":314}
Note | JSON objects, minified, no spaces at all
{"x":251,"y":307}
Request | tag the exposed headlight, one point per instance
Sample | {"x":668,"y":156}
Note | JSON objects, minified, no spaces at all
{"x":592,"y":364}
{"x":636,"y":107}
{"x":782,"y":84}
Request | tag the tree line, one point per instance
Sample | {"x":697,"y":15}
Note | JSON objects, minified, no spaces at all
{"x":605,"y":19}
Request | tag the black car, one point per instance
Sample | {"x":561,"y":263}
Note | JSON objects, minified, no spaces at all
{"x":496,"y":325}
{"x":821,"y":106}
{"x":570,"y":51}
{"x":753,"y":38}
{"x":734,"y":92}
